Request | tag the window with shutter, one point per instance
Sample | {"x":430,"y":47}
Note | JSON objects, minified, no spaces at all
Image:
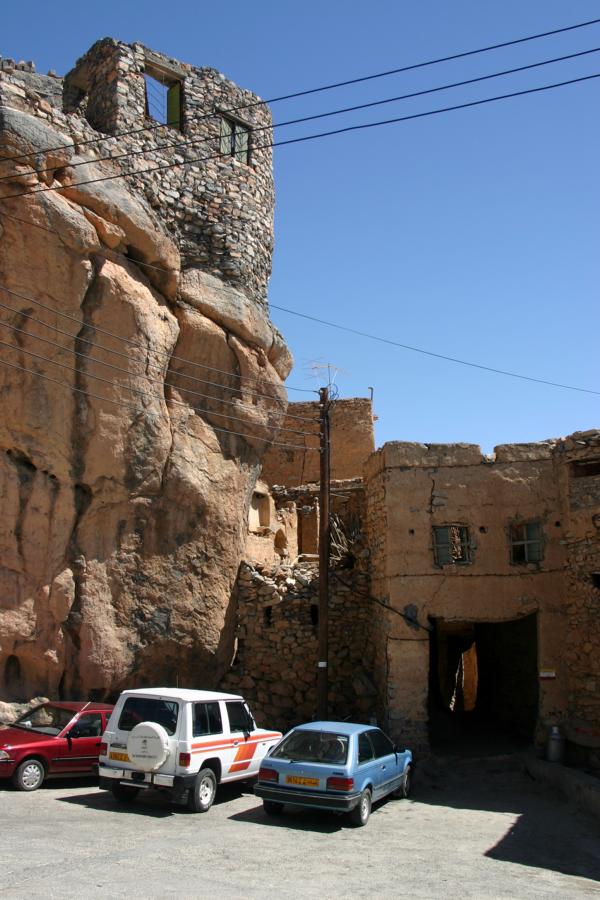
{"x":163,"y":99}
{"x":451,"y":545}
{"x":235,"y":139}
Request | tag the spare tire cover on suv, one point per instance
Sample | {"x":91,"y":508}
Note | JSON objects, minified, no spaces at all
{"x":148,"y":746}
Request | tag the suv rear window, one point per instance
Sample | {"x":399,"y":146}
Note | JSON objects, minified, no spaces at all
{"x":239,"y":717}
{"x":207,"y":719}
{"x":149,"y":709}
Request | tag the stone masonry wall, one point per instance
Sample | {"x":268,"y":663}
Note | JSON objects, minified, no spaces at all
{"x":276,"y":660}
{"x":579,"y":462}
{"x":381,"y":623}
{"x":219,"y":209}
{"x":413,"y":487}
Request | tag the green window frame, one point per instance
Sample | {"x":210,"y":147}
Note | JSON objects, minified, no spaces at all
{"x":235,"y":139}
{"x":526,"y":542}
{"x":451,"y":545}
{"x":164,"y":98}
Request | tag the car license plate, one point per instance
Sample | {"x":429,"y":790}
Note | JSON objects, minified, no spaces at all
{"x":121,"y":757}
{"x":306,"y":782}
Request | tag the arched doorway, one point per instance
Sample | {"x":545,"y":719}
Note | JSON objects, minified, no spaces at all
{"x":13,"y":678}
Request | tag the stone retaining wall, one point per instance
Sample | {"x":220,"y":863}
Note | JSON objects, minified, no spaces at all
{"x":275,"y":667}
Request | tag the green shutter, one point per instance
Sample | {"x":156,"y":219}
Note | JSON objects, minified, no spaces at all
{"x":226,"y":130}
{"x":174,"y":105}
{"x":241,"y":143}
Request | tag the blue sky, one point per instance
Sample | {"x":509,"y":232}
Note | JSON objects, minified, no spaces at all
{"x":472,"y":234}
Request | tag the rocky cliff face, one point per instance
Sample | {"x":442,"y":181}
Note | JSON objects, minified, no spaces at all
{"x":139,"y":394}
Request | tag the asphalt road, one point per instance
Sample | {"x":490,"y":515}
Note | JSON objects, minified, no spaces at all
{"x":477,"y":830}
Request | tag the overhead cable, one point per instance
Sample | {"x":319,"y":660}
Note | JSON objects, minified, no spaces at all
{"x":328,"y":87}
{"x":303,"y":119}
{"x":150,"y":365}
{"x":181,"y":359}
{"x":137,"y":409}
{"x":453,"y":359}
{"x":162,"y":384}
{"x":309,"y":137}
{"x":141,"y":393}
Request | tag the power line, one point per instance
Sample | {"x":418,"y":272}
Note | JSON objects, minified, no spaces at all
{"x":327,"y":87}
{"x":216,"y":384}
{"x":410,"y":620}
{"x":310,"y":137}
{"x":303,"y":119}
{"x":137,"y":262}
{"x":76,"y":337}
{"x":137,"y":409}
{"x":462,"y":362}
{"x":142,"y":393}
{"x":159,"y":353}
{"x":162,"y":384}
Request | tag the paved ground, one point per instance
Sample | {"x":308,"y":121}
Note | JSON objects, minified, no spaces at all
{"x":480,"y":831}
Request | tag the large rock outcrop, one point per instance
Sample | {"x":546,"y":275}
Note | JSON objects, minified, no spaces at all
{"x":132,"y":429}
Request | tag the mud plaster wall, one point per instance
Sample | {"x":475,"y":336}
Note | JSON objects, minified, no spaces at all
{"x":412,"y":487}
{"x":352,"y":442}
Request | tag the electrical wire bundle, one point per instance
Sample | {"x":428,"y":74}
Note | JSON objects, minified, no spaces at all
{"x":7,"y":209}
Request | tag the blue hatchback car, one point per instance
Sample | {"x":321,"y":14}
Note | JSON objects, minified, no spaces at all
{"x":338,"y":766}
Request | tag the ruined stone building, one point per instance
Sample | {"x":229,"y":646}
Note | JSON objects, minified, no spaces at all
{"x":466,"y":605}
{"x":499,"y":556}
{"x":140,"y":373}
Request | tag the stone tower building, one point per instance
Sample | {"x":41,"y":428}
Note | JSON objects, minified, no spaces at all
{"x":219,"y":200}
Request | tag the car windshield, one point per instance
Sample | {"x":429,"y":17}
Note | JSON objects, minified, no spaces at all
{"x":47,"y":718}
{"x":149,"y":709}
{"x":314,"y":746}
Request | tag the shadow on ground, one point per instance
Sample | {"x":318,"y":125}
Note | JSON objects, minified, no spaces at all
{"x":296,"y":819}
{"x":548,"y":832}
{"x":149,"y":803}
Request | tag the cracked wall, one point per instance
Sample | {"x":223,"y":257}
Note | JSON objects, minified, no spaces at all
{"x":411,"y":489}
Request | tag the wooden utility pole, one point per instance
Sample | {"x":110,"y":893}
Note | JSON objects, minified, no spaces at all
{"x":324,"y":543}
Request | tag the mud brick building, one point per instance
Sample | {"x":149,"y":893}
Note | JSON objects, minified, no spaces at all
{"x":479,"y":592}
{"x":498,"y":556}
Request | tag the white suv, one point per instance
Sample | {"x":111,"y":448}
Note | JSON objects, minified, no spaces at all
{"x":181,"y":741}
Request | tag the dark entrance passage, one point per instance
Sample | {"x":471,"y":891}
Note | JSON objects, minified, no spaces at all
{"x":483,"y":686}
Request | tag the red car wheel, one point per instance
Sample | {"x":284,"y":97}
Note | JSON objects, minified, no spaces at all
{"x":29,"y":775}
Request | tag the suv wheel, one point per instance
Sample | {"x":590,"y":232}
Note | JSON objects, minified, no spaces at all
{"x":203,"y":792}
{"x":30,"y":775}
{"x":124,"y":793}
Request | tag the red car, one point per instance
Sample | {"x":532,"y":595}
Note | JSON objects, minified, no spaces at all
{"x":52,"y":739}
